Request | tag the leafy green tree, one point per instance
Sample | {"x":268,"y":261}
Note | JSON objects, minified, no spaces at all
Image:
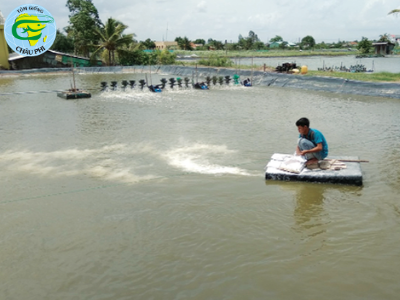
{"x":84,"y":20}
{"x":200,"y":41}
{"x":248,"y":42}
{"x":216,"y":61}
{"x":283,"y":45}
{"x":132,"y":57}
{"x":217,"y":45}
{"x":243,"y":43}
{"x":136,"y":46}
{"x":365,"y":46}
{"x":321,"y":45}
{"x":232,"y":47}
{"x":152,"y":58}
{"x":308,"y":42}
{"x":181,"y":43}
{"x":259,"y":45}
{"x":112,"y":39}
{"x":129,"y":57}
{"x":166,"y":58}
{"x":253,"y":37}
{"x":148,"y":44}
{"x":339,"y":44}
{"x":62,"y":43}
{"x":277,"y":38}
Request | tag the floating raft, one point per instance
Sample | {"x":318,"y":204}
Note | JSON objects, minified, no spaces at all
{"x":348,"y":171}
{"x":74,"y":94}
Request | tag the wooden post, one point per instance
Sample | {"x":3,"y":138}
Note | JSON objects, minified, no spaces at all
{"x":353,"y":160}
{"x":73,"y":74}
{"x":151,"y":80}
{"x":251,"y":80}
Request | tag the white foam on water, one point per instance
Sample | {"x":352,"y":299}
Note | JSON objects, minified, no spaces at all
{"x":138,"y":95}
{"x":135,"y":95}
{"x":107,"y":163}
{"x":121,"y":162}
{"x":198,"y":158}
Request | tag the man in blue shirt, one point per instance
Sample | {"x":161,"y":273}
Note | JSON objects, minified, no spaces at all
{"x":312,"y":144}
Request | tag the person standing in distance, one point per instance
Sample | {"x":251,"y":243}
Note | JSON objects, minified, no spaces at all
{"x":312,"y":143}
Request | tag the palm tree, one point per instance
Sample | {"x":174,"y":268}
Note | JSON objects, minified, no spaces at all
{"x":184,"y":43}
{"x":384,"y":38}
{"x":187,"y":43}
{"x":111,"y":39}
{"x":394,"y":11}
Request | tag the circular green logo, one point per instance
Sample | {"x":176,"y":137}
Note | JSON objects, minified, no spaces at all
{"x":30,"y":30}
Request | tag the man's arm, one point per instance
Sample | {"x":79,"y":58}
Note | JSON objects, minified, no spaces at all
{"x":318,"y":148}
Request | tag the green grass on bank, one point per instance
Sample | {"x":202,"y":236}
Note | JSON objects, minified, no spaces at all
{"x":375,"y":77}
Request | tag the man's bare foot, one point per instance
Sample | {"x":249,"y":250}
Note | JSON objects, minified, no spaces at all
{"x":312,"y":161}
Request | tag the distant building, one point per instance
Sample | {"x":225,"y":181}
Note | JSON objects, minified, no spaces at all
{"x":194,"y":46}
{"x":383,"y":48}
{"x":292,"y":45}
{"x":278,"y":44}
{"x":275,"y":44}
{"x":395,"y":38}
{"x":165,"y":45}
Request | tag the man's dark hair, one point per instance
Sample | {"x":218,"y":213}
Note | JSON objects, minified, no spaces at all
{"x":303,"y":122}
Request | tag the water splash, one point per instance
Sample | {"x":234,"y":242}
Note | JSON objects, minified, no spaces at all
{"x":145,"y":96}
{"x":198,"y":158}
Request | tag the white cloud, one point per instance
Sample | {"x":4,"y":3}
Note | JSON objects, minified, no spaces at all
{"x":202,"y":7}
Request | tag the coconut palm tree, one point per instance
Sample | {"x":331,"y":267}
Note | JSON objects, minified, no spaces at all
{"x":184,"y":43}
{"x":384,"y":38}
{"x":111,"y":39}
{"x":394,"y":11}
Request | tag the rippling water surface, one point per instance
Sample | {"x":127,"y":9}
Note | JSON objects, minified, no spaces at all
{"x":134,"y":195}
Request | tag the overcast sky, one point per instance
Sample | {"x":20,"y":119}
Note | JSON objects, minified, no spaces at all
{"x":325,"y":20}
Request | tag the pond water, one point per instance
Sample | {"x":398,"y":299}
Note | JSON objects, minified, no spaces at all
{"x":137,"y":195}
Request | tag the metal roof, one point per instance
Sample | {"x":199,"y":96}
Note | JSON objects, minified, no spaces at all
{"x":16,"y":56}
{"x":382,"y":43}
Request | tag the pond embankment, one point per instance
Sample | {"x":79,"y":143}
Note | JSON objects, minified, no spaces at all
{"x":315,"y":83}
